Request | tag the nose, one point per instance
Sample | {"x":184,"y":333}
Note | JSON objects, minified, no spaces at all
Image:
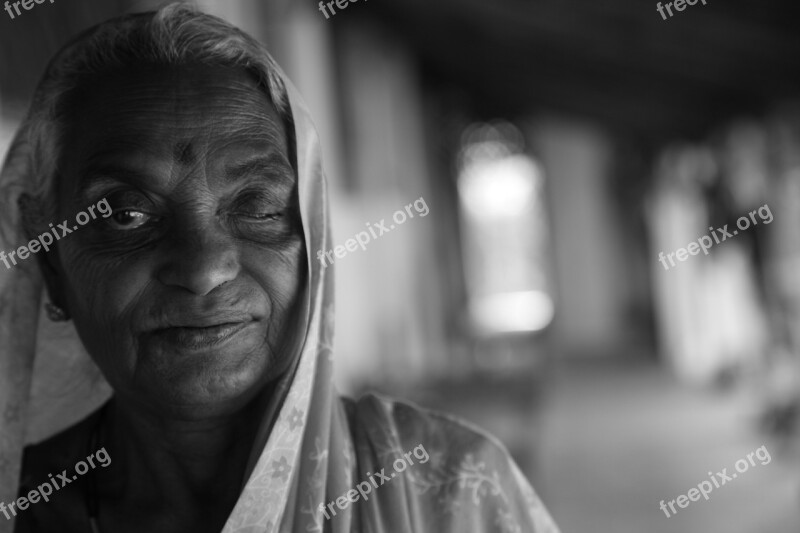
{"x":200,"y":259}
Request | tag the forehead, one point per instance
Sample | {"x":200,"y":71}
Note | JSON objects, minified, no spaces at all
{"x":169,"y":114}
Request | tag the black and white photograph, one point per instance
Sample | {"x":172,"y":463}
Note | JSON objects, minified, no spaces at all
{"x":381,"y":266}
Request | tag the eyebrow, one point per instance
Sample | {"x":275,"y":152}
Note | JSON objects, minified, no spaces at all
{"x":273,"y":165}
{"x":101,"y":177}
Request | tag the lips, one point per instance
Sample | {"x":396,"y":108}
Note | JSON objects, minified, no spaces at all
{"x":202,"y":332}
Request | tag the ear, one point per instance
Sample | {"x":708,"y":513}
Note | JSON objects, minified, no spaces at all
{"x":31,"y":211}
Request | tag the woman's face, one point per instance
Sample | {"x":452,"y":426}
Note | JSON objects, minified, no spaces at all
{"x":187,"y":297}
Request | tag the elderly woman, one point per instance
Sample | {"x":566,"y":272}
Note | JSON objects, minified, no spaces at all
{"x":192,"y":288}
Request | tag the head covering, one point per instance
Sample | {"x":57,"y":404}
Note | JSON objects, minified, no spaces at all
{"x":20,"y":294}
{"x":311,"y":444}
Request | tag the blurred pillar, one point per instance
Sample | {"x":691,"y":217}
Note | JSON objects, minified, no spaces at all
{"x":390,"y":320}
{"x":589,"y":257}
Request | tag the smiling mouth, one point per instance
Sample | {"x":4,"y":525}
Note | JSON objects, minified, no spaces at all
{"x":196,"y":338}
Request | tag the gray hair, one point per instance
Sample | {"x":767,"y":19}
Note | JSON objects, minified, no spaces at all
{"x":175,"y":35}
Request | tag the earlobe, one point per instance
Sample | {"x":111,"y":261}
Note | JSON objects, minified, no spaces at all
{"x":52,"y":280}
{"x":55,"y":313}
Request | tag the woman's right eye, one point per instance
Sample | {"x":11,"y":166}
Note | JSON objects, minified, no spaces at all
{"x":128,"y":219}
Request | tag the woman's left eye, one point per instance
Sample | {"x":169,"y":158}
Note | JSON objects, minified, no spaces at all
{"x":261,"y":216}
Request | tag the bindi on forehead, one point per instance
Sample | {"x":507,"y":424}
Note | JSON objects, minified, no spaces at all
{"x":184,"y":153}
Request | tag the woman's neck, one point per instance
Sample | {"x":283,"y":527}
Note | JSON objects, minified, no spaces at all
{"x":180,"y":463}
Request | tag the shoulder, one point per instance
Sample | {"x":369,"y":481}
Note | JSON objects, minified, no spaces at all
{"x":59,"y":452}
{"x":47,"y":472}
{"x":465,"y":479}
{"x":411,"y":424}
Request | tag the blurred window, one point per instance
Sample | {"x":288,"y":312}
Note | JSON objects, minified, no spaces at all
{"x":505,"y":231}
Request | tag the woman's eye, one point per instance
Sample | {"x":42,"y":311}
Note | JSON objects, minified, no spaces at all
{"x":126,"y":219}
{"x":261,"y":216}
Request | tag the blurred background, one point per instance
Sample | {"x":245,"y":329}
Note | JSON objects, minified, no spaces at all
{"x":561,"y":146}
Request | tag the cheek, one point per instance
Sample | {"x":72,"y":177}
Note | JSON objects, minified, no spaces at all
{"x":282,"y":278}
{"x":102,"y":295}
{"x":281,"y":275}
{"x":102,"y":286}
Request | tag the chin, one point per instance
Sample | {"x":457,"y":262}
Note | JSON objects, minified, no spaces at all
{"x":205,"y":389}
